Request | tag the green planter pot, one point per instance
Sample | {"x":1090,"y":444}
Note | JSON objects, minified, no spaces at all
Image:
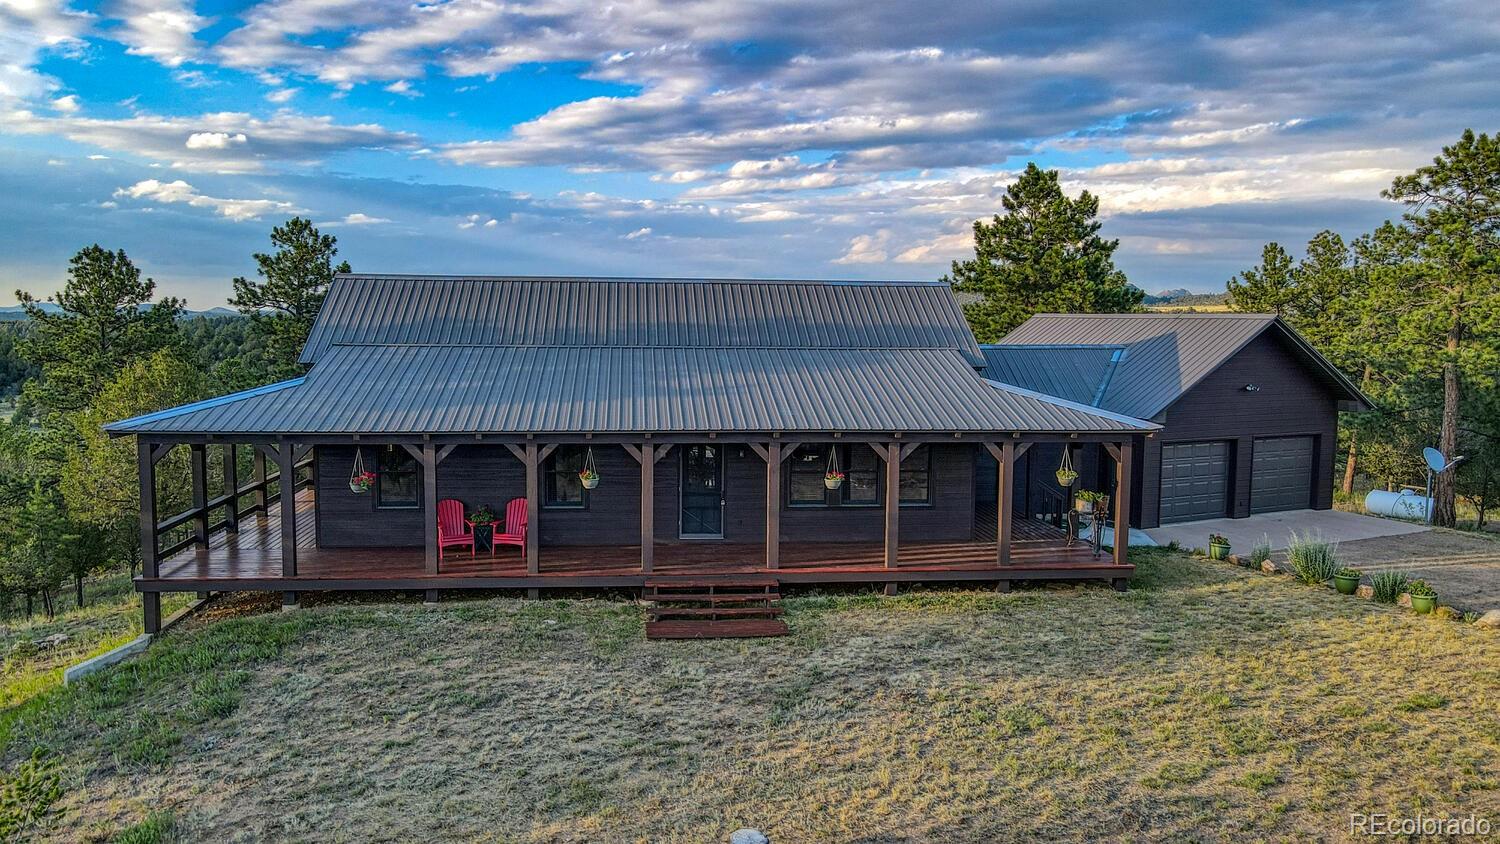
{"x":1424,"y":603}
{"x":1218,"y":552}
{"x":1345,"y":584}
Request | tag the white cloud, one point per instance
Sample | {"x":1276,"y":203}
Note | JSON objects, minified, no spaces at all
{"x":193,"y":78}
{"x":282,"y":95}
{"x":359,"y":219}
{"x":29,"y":31}
{"x":403,"y":88}
{"x":473,"y":220}
{"x":214,"y":140}
{"x":639,"y":233}
{"x":159,"y":29}
{"x":67,"y":105}
{"x":180,"y":192}
{"x":866,"y":249}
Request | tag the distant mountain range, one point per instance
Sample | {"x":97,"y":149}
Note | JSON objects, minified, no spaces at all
{"x":1182,"y":296}
{"x":15,"y":313}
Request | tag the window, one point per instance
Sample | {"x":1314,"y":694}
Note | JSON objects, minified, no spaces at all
{"x":805,"y":469}
{"x":916,"y":471}
{"x":398,"y":480}
{"x":561,"y":486}
{"x":862,"y":471}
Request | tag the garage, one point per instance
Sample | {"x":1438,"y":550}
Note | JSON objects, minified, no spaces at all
{"x":1194,"y":480}
{"x":1281,"y":477}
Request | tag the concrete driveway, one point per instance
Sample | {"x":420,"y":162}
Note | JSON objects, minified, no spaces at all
{"x":1332,"y":525}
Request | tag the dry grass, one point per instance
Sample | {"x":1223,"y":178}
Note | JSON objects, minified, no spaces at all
{"x":1206,"y":703}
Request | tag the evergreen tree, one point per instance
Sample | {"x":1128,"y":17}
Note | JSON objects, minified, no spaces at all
{"x":1446,"y":302}
{"x":284,"y":303}
{"x":1270,"y":287}
{"x":1044,"y":254}
{"x":107,"y":321}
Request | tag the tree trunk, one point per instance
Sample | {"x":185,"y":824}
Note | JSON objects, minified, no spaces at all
{"x":29,"y":608}
{"x":47,"y":603}
{"x":1349,"y":464}
{"x":78,"y":582}
{"x":1444,"y":510}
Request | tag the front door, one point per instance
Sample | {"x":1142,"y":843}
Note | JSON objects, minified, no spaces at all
{"x":702,"y":492}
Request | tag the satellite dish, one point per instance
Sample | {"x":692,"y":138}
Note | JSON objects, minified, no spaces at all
{"x":1435,"y":459}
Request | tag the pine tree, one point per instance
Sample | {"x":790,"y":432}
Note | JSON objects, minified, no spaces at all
{"x":1270,"y":287}
{"x":284,"y":304}
{"x":1044,"y":254}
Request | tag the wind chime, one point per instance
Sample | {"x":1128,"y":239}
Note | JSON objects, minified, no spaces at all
{"x":360,"y":479}
{"x":589,"y":474}
{"x":833,"y":478}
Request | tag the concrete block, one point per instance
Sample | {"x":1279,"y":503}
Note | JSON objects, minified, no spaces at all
{"x":106,"y":659}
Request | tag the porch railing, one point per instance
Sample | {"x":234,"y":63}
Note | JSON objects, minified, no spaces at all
{"x":179,"y":531}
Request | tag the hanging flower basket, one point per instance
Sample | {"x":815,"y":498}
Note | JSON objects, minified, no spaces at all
{"x":833,"y":480}
{"x":590,"y":474}
{"x":360,"y":480}
{"x":1065,"y":474}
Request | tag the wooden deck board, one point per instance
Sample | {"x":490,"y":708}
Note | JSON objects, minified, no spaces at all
{"x":252,"y":560}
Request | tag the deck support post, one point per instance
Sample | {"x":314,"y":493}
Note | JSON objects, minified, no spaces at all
{"x":429,"y":506}
{"x":289,"y":601}
{"x":258,"y":472}
{"x":150,"y":601}
{"x":286,"y":498}
{"x":647,"y":456}
{"x":533,"y":462}
{"x":230,"y":454}
{"x":892,"y":455}
{"x":200,"y":495}
{"x":1122,"y":503}
{"x":1005,"y":455}
{"x":773,"y":458}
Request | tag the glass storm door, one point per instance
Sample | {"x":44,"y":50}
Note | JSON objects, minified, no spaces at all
{"x":702,"y":492}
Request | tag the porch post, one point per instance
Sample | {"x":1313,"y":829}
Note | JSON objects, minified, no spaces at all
{"x":533,"y":509}
{"x":258,"y":472}
{"x":1122,"y":502}
{"x":200,"y":495}
{"x":150,"y":601}
{"x":647,"y":457}
{"x":429,"y":505}
{"x":773,"y":504}
{"x":287,"y":499}
{"x":1005,"y":480}
{"x":231,"y":489}
{"x":892,"y":503}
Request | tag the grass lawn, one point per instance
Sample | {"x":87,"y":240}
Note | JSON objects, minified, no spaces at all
{"x":1205,"y":703}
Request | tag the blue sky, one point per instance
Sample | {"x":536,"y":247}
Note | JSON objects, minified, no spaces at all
{"x":776,"y":139}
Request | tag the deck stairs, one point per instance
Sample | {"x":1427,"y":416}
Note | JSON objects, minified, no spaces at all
{"x":713,"y":607}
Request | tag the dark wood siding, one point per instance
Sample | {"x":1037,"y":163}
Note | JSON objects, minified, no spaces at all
{"x":483,"y":474}
{"x":1290,"y":402}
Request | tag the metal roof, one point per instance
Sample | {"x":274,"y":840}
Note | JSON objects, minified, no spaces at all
{"x":1166,"y":354}
{"x":630,"y":312}
{"x":438,"y":389}
{"x":1074,"y":372}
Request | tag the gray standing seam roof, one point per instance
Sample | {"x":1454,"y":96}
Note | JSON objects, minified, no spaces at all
{"x":704,"y":313}
{"x":1077,"y":373}
{"x":529,"y":389}
{"x":1166,"y":354}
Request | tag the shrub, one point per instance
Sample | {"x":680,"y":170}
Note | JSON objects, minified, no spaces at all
{"x":1348,"y":572}
{"x":1313,"y":559}
{"x":1217,"y":539}
{"x":1420,"y":589}
{"x":1388,"y":585}
{"x":1261,"y":551}
{"x":27,"y":795}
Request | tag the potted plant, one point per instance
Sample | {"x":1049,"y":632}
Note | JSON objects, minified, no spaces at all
{"x":833,"y":479}
{"x":1423,"y":597}
{"x":1218,"y":546}
{"x":361,"y":482}
{"x":1066,"y":475}
{"x":1346,"y":580}
{"x":1084,"y":500}
{"x":589,"y":477}
{"x":483,"y":521}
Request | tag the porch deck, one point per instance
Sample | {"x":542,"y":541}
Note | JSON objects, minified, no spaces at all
{"x":251,"y":560}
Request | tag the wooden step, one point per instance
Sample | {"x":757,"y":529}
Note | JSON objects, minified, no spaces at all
{"x":707,"y":598}
{"x":737,"y":629}
{"x":714,"y":611}
{"x":739,"y":581}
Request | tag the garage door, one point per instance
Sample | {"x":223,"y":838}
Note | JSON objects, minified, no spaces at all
{"x":1282,"y":476}
{"x":1194,"y":480}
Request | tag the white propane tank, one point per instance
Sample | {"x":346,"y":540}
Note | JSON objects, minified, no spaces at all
{"x":1406,"y":504}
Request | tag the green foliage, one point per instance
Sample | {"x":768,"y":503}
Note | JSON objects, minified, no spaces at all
{"x":284,"y":303}
{"x":1422,"y":701}
{"x":155,"y":829}
{"x":1269,"y":288}
{"x":107,"y":321}
{"x":1043,"y":254}
{"x":1387,"y":586}
{"x":1420,"y":589}
{"x":27,"y":794}
{"x":1313,"y":559}
{"x":1260,"y":551}
{"x":1348,"y":572}
{"x":1217,"y":539}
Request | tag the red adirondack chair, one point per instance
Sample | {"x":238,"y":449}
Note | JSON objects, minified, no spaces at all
{"x":515,"y":526}
{"x":452,"y":528}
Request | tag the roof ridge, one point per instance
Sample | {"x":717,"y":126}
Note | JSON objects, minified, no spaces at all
{"x":1165,"y":315}
{"x":824,"y":282}
{"x":1142,"y":424}
{"x":957,"y":351}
